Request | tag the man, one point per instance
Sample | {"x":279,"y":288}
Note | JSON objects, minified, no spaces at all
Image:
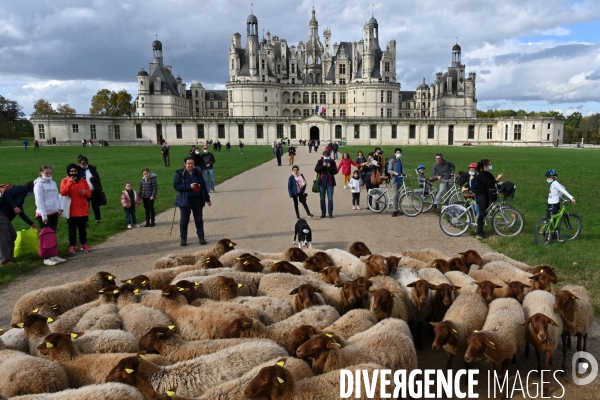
{"x":192,"y":197}
{"x":396,"y":173}
{"x":327,"y":169}
{"x":11,"y":204}
{"x":443,"y":170}
{"x":207,"y":160}
{"x":241,"y":147}
{"x":335,"y":148}
{"x":165,"y":153}
{"x":278,"y":150}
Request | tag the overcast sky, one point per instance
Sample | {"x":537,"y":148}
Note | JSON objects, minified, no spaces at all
{"x":530,"y":54}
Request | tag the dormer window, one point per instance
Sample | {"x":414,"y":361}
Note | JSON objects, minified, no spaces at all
{"x":211,"y":96}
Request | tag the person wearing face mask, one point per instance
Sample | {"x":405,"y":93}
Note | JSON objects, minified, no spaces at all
{"x":11,"y":205}
{"x":396,"y":173}
{"x":327,"y":168}
{"x":79,"y":191}
{"x":470,"y":187}
{"x":47,"y":205}
{"x":485,"y":184}
{"x":556,"y":190}
{"x":197,"y":156}
{"x":90,"y":174}
{"x":207,"y":160}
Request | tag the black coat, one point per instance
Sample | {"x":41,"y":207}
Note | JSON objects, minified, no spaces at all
{"x":331,"y":170}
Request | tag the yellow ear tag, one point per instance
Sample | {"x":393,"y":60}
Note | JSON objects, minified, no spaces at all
{"x":128,"y":281}
{"x":281,"y":363}
{"x":181,"y":289}
{"x":170,"y":393}
{"x":74,"y":336}
{"x":136,"y":291}
{"x":455,"y":331}
{"x":492,"y":343}
{"x":171,"y":327}
{"x":245,"y":262}
{"x":230,"y":244}
{"x":275,"y":262}
{"x":196,"y":283}
{"x":462,"y":256}
{"x":240,"y":285}
{"x":165,"y":293}
{"x":280,"y":380}
{"x":142,"y":356}
{"x":110,"y":277}
{"x":49,"y":320}
{"x":35,"y":311}
{"x":54,"y":307}
{"x":116,"y":291}
{"x":101,"y":291}
{"x":20,"y":325}
{"x":49,"y":345}
{"x":475,"y":331}
{"x":238,"y":258}
{"x":128,"y":370}
{"x":338,"y":345}
{"x":542,"y":270}
{"x":434,"y":265}
{"x":144,"y":283}
{"x":328,"y":335}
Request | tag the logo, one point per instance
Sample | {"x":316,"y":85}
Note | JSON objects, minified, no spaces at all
{"x":584,"y":363}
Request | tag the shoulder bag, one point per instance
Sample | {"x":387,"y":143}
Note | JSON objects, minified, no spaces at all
{"x":316,"y":188}
{"x":376,"y":177}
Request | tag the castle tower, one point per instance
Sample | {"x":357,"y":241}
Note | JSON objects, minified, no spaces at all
{"x":314,"y":52}
{"x":157,"y":51}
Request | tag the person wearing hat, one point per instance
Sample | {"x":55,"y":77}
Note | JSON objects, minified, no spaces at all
{"x":207,"y":160}
{"x":470,"y":187}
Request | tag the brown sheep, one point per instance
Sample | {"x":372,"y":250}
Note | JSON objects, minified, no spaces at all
{"x":36,"y":328}
{"x":471,"y":257}
{"x":376,"y":265}
{"x":458,"y":264}
{"x":248,"y":263}
{"x":442,"y":300}
{"x":441,"y":264}
{"x":208,"y":262}
{"x":140,"y":282}
{"x":541,"y":281}
{"x":359,"y":249}
{"x":304,"y":333}
{"x":294,"y":254}
{"x":486,"y":290}
{"x":364,"y":284}
{"x":393,"y":263}
{"x":126,"y":372}
{"x":545,"y":269}
{"x":331,"y":275}
{"x":305,"y":297}
{"x":47,"y":310}
{"x":284,"y":267}
{"x":228,"y":287}
{"x":317,"y":262}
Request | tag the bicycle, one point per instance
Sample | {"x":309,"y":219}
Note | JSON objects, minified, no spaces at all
{"x":506,"y":220}
{"x":452,"y":195}
{"x":411,"y":203}
{"x":563,"y":225}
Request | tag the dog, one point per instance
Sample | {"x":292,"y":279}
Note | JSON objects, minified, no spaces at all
{"x":304,"y":234}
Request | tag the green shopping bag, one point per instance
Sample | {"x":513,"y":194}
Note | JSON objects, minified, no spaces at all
{"x":27,"y":242}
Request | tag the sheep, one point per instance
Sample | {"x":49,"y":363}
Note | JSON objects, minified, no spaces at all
{"x":304,"y":333}
{"x":575,"y":306}
{"x":243,"y":327}
{"x":465,"y":315}
{"x":319,"y":260}
{"x":136,"y":318}
{"x":208,"y":262}
{"x":351,"y":323}
{"x":388,"y":299}
{"x":393,"y":350}
{"x":466,"y":283}
{"x":230,"y":258}
{"x":543,"y":326}
{"x":424,"y":255}
{"x":292,"y":254}
{"x":66,"y":297}
{"x":359,"y":249}
{"x":343,"y":297}
{"x":221,"y":247}
{"x":194,"y":377}
{"x":140,"y":282}
{"x":104,"y":391}
{"x":351,"y":265}
{"x":205,"y":322}
{"x":276,"y":382}
{"x":284,"y":267}
{"x":364,"y":284}
{"x":248,"y":264}
{"x":104,"y":315}
{"x":68,"y":320}
{"x":471,"y":257}
{"x":501,"y":289}
{"x":25,"y":374}
{"x":36,"y":328}
{"x":293,"y":289}
{"x":509,"y":273}
{"x":547,"y":270}
{"x":416,"y":293}
{"x":47,"y":310}
{"x":502,"y":334}
{"x":107,"y":341}
{"x":412,"y":263}
{"x":164,"y":341}
{"x":443,"y":291}
{"x":386,"y":325}
{"x":163,"y":277}
{"x":494,"y":256}
{"x":234,"y":389}
{"x":331,"y":275}
{"x":208,"y":287}
{"x":15,"y":339}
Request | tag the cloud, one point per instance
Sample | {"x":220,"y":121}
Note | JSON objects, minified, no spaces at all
{"x":485,"y":72}
{"x":558,"y":31}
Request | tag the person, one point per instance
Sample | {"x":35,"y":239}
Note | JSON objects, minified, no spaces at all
{"x":48,"y":206}
{"x":195,"y":154}
{"x":91,"y":142}
{"x":11,"y":204}
{"x":485,"y":184}
{"x":356,"y":185}
{"x":83,"y":142}
{"x":90,"y":174}
{"x":386,"y":168}
{"x":443,"y":170}
{"x":310,"y":146}
{"x":346,"y":166}
{"x":397,"y":174}
{"x":207,"y":161}
{"x":554,"y":194}
{"x":378,"y":156}
{"x":327,"y":169}
{"x":25,"y":144}
{"x":130,"y":200}
{"x":278,"y":150}
{"x":165,"y":153}
{"x":368,"y":169}
{"x":148,"y":191}
{"x":424,"y":182}
{"x":292,"y":154}
{"x":189,"y":180}
{"x":316,"y":145}
{"x":470,"y":187}
{"x":36,"y":145}
{"x":150,"y":141}
{"x":296,"y":190}
{"x":241,"y":147}
{"x":228,"y":147}
{"x":335,"y":147}
{"x":193,"y":150}
{"x":77,"y":188}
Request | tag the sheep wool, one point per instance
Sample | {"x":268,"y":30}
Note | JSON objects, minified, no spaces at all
{"x":581,"y":316}
{"x":351,"y":323}
{"x":139,"y":319}
{"x":540,"y":301}
{"x":103,"y":316}
{"x":26,"y":374}
{"x":504,"y":327}
{"x":418,"y":311}
{"x":351,"y":265}
{"x":209,"y":289}
{"x":494,"y":256}
{"x":67,"y":321}
{"x":104,"y":391}
{"x":467,"y":314}
{"x":386,"y":325}
{"x":465,"y":282}
{"x":107,"y":341}
{"x":425,"y":255}
{"x":16,"y":339}
{"x":399,"y":307}
{"x":281,"y":285}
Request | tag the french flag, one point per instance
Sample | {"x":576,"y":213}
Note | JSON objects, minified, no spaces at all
{"x":320,"y":110}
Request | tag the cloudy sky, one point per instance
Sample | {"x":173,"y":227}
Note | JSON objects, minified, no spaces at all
{"x":530,"y":54}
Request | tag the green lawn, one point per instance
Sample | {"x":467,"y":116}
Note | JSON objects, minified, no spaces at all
{"x":116,"y":164}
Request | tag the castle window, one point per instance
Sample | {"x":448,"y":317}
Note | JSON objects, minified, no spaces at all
{"x":389,"y":96}
{"x":265,"y":99}
{"x":373,"y":131}
{"x":342,"y":98}
{"x":220,"y":104}
{"x":489,"y":131}
{"x":381,"y":113}
{"x":259,"y":132}
{"x":230,"y":95}
{"x":313,"y":97}
{"x":75,"y":128}
{"x":221,"y":131}
{"x":41,"y":131}
{"x":517,"y":133}
{"x":262,"y":64}
{"x":333,"y":113}
{"x":211,"y":96}
{"x":382,"y":97}
{"x":292,"y":131}
{"x":386,"y":67}
{"x":471,"y":132}
{"x":342,"y":81}
{"x":263,"y":78}
{"x":548,"y":126}
{"x":240,"y":131}
{"x":356,"y":130}
{"x":93,"y":131}
{"x":394,"y":131}
{"x":430,"y":132}
{"x":333,"y":97}
{"x":138,"y":131}
{"x":533,"y":126}
{"x":323,"y":98}
{"x":117,"y":132}
{"x":178,"y":131}
{"x":212,"y":104}
{"x":342,"y":69}
{"x":279,"y":131}
{"x":200,"y":131}
{"x":387,"y":79}
{"x":278,"y":69}
{"x":293,"y":69}
{"x":305,"y":97}
{"x":338,"y":131}
{"x":196,"y":94}
{"x":342,"y":113}
{"x":293,"y":81}
{"x":306,"y":112}
{"x":389,"y":113}
{"x":412,"y":132}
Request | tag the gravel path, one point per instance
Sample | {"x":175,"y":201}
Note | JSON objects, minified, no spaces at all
{"x":254,"y":210}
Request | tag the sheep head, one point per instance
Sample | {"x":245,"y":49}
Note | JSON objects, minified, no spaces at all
{"x":359,"y":249}
{"x":539,"y":326}
{"x":376,"y":266}
{"x":210,"y":262}
{"x":305,"y":296}
{"x":152,"y":340}
{"x":444,"y":292}
{"x":517,"y":290}
{"x":445,"y":333}
{"x":458,"y":264}
{"x":317,"y":345}
{"x":486,"y":290}
{"x":420,"y":290}
{"x":59,"y":346}
{"x":477,"y":344}
{"x":238,"y":328}
{"x":393,"y":263}
{"x":350,"y":293}
{"x":250,"y":264}
{"x":547,"y":270}
{"x":472,"y":257}
{"x":564,"y":304}
{"x":272,"y":382}
{"x":284,"y":267}
{"x":226,"y":244}
{"x":35,"y":323}
{"x":295,"y":254}
{"x":228,"y":287}
{"x":125,"y":371}
{"x":47,"y":310}
{"x":175,"y":294}
{"x":332,"y":275}
{"x":383,"y":302}
{"x":326,"y":258}
{"x":110,"y":293}
{"x":300,"y":335}
{"x":441,"y":265}
{"x":104,"y":279}
{"x":364,"y":284}
{"x":316,"y":263}
{"x":541,"y":281}
{"x":140,"y":282}
{"x":190,"y":291}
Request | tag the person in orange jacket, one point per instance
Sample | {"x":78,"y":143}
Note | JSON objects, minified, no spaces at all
{"x":79,"y":192}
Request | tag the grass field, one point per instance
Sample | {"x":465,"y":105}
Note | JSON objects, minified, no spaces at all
{"x":577,"y":262}
{"x":116,"y":164}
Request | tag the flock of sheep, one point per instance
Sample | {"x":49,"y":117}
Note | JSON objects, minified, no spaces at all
{"x":238,"y":324}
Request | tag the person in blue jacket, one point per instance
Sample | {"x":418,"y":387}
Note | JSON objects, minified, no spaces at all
{"x":296,"y":190}
{"x":189,"y":181}
{"x":11,"y":205}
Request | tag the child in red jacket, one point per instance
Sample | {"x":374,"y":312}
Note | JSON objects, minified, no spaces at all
{"x":129,"y":201}
{"x":78,"y":191}
{"x":345,"y":165}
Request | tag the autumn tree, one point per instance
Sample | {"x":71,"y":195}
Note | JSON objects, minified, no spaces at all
{"x":65,"y":109}
{"x":111,"y":103}
{"x":43,"y":107}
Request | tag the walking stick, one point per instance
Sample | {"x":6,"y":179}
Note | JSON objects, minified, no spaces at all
{"x":173,"y":223}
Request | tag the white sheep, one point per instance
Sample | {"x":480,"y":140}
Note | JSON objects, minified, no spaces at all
{"x":104,"y":391}
{"x":424,"y":255}
{"x":286,"y":287}
{"x":352,"y":323}
{"x":385,"y":325}
{"x":441,"y":291}
{"x":466,"y":283}
{"x":351,"y":265}
{"x":15,"y":339}
{"x":494,"y":256}
{"x":25,"y":374}
{"x":387,"y":299}
{"x":416,"y":292}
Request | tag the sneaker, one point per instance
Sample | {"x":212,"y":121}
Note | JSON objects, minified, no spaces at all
{"x":323,"y":216}
{"x":354,"y":207}
{"x":152,"y":225}
{"x":560,"y":240}
{"x":129,"y":226}
{"x":138,"y":226}
{"x":58,"y":259}
{"x":310,"y":216}
{"x":344,"y":186}
{"x":50,"y":261}
{"x":358,"y":207}
{"x":331,"y":216}
{"x":202,"y":240}
{"x":86,"y":248}
{"x":183,"y":242}
{"x":395,"y":213}
{"x":478,"y":236}
{"x":72,"y":249}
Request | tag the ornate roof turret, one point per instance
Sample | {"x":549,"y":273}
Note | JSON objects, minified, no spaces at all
{"x":423,"y":86}
{"x":456,"y":47}
{"x":142,"y":73}
{"x":157,"y":45}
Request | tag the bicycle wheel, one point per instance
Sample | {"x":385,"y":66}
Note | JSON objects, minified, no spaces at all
{"x":507,"y":222}
{"x":428,"y":202}
{"x":542,"y":231}
{"x":457,"y":198}
{"x":377,"y":200}
{"x":455,"y":220}
{"x":411,"y":204}
{"x":570,"y":226}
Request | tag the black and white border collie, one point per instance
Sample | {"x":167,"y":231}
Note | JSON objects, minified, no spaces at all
{"x":304,"y":234}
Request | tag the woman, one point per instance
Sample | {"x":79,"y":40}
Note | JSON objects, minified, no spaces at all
{"x":296,"y":190}
{"x":79,"y":191}
{"x":327,"y":169}
{"x":48,"y":205}
{"x":90,"y":174}
{"x":368,"y":169}
{"x":346,"y":164}
{"x":148,"y":190}
{"x":485,"y":184}
{"x":192,"y":197}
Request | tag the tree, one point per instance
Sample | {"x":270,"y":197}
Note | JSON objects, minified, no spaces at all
{"x":111,"y":103}
{"x":44,"y":107}
{"x":573,"y":120}
{"x":10,"y":110}
{"x":65,"y":109}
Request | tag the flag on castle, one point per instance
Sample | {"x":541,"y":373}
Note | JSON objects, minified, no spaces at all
{"x":319,"y":109}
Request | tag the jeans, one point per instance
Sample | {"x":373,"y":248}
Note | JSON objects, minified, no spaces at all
{"x":209,"y":177}
{"x":195,"y":208}
{"x":278,"y":159}
{"x":395,"y":188}
{"x":302,"y":199}
{"x":444,"y":185}
{"x":130,"y":215}
{"x":483,"y":202}
{"x":77,"y":224}
{"x":149,"y":208}
{"x":167,"y":160}
{"x":326,"y":189}
{"x":8,"y":235}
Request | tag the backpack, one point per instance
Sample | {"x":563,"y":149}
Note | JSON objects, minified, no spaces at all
{"x":48,"y":243}
{"x":4,"y":187}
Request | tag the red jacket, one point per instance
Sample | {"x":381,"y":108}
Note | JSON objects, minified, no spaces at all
{"x":346,"y":166}
{"x":79,"y":202}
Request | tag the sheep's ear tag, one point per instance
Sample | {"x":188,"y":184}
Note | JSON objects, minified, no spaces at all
{"x":337,"y":344}
{"x":280,"y":380}
{"x":196,"y":283}
{"x":49,"y":320}
{"x":101,"y":291}
{"x":110,"y":277}
{"x":74,"y":336}
{"x":238,"y":258}
{"x":49,"y":345}
{"x":170,"y":393}
{"x":455,"y":331}
{"x":230,"y":244}
{"x":328,"y":335}
{"x":245,"y":324}
{"x":240,"y":285}
{"x":128,"y":281}
{"x":181,"y":289}
{"x":541,"y":270}
{"x":20,"y":325}
{"x":171,"y":327}
{"x":116,"y":291}
{"x":144,"y":283}
{"x":245,"y":262}
{"x":128,"y":370}
{"x":35,"y":310}
{"x":434,"y":264}
{"x":136,"y":291}
{"x":492,"y":343}
{"x":54,"y":307}
{"x":280,"y":363}
{"x":462,"y":255}
{"x":475,"y":331}
{"x":275,"y":262}
{"x":159,"y":334}
{"x":142,"y":356}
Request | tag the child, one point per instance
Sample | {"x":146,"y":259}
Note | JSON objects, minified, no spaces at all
{"x":130,"y":200}
{"x":423,"y":180}
{"x":148,"y":190}
{"x":556,"y":189}
{"x":355,"y":185}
